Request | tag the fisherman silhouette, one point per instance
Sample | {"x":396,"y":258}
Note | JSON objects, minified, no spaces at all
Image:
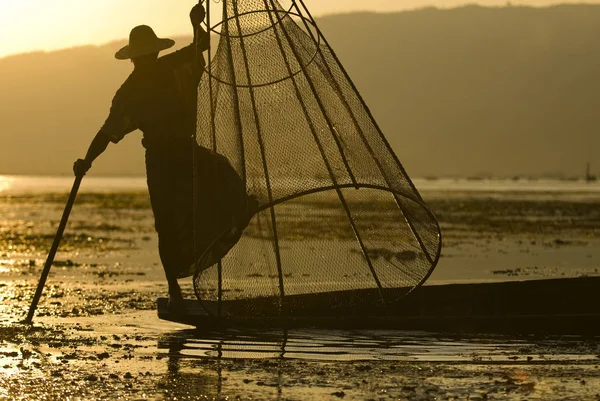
{"x":160,"y":99}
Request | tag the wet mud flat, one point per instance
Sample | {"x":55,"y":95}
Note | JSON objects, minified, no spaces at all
{"x":96,"y":335}
{"x":91,"y":360}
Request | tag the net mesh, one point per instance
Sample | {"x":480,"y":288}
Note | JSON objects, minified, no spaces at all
{"x":339,"y":224}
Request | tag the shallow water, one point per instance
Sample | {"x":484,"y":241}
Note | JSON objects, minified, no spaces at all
{"x":15,"y":184}
{"x":126,"y":357}
{"x":96,"y":334}
{"x":363,"y":345}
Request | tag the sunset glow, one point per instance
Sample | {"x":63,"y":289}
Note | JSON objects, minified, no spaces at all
{"x":46,"y":25}
{"x":29,"y":25}
{"x":299,"y":199}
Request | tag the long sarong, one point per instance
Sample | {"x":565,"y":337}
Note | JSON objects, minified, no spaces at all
{"x":200,"y":209}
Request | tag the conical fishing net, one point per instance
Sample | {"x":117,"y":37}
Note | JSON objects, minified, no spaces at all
{"x":340,"y":227}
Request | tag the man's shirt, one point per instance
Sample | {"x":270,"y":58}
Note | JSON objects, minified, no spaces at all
{"x":160,"y":100}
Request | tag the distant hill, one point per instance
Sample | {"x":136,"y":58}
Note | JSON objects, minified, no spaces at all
{"x":466,"y":91}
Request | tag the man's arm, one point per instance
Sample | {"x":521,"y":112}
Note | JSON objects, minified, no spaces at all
{"x":197,"y":15}
{"x":193,"y":52}
{"x":97,"y":147}
{"x":200,"y":33}
{"x":117,"y":125}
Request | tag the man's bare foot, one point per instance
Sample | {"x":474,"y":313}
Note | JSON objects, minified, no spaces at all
{"x":176,"y":304}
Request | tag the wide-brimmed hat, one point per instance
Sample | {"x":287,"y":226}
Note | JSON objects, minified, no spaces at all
{"x":143,"y":41}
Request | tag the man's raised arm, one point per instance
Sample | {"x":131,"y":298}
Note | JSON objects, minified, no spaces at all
{"x":197,"y":15}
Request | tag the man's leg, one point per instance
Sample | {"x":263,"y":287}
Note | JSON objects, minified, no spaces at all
{"x":167,"y":251}
{"x":161,"y":186}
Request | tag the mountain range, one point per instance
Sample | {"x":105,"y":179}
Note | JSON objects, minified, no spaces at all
{"x":457,"y":92}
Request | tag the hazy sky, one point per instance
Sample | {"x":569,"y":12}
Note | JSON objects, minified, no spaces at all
{"x":27,"y":25}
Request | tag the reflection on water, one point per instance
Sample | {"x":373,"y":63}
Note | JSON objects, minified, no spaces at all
{"x":358,"y":365}
{"x":28,"y":184}
{"x":320,"y":345}
{"x":6,"y":183}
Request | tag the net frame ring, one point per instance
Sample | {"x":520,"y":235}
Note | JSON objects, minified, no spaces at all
{"x":201,"y":267}
{"x":223,"y":21}
{"x":289,"y":12}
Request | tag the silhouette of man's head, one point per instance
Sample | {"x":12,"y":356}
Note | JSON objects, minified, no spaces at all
{"x":143,"y":45}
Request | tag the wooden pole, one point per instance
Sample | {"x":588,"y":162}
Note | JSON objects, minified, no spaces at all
{"x":53,"y":249}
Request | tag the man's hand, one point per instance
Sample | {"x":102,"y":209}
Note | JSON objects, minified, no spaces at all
{"x":197,"y":15}
{"x":80,"y":167}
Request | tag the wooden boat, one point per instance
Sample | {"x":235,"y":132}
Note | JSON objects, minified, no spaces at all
{"x":552,"y":306}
